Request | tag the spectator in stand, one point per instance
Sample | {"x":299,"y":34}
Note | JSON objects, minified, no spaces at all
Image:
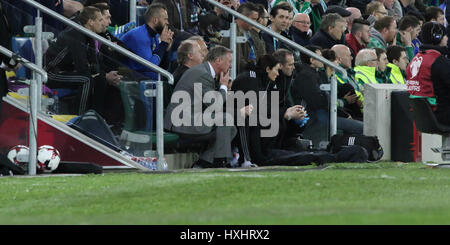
{"x":382,"y":33}
{"x":349,"y":91}
{"x":179,"y":12}
{"x":408,"y":30}
{"x":280,"y":17}
{"x":416,"y":43}
{"x":381,"y":73}
{"x":375,"y":11}
{"x":359,"y":37}
{"x":74,"y":62}
{"x":331,"y":31}
{"x":300,"y":31}
{"x":427,"y":75}
{"x":152,"y":40}
{"x":356,"y":14}
{"x":366,"y":63}
{"x":407,"y":6}
{"x":249,"y":52}
{"x":389,"y":6}
{"x":434,"y":14}
{"x":315,"y":9}
{"x":398,"y":61}
{"x":263,"y":16}
{"x":224,"y":17}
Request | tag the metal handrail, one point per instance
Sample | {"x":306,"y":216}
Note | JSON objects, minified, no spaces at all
{"x":333,"y":102}
{"x":33,"y":105}
{"x":159,"y":103}
{"x":25,"y":63}
{"x":108,"y":43}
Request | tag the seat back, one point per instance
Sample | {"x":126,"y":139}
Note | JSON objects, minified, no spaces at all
{"x":24,"y":46}
{"x":128,"y":92}
{"x":147,"y":93}
{"x":424,"y":117}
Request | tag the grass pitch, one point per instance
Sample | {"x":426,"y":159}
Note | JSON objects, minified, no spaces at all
{"x":357,"y":194}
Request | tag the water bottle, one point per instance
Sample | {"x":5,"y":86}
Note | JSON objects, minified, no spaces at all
{"x":55,"y":106}
{"x":235,"y":161}
{"x":162,"y":164}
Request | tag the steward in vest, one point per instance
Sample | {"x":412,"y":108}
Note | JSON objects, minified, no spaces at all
{"x":428,"y":74}
{"x":398,"y":60}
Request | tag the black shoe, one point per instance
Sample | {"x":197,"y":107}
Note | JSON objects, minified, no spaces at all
{"x":202,"y":164}
{"x":221,"y":163}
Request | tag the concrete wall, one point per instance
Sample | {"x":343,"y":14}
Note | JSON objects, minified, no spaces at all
{"x":377,"y":113}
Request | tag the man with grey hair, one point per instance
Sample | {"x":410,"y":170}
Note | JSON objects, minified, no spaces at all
{"x":201,"y":42}
{"x":331,"y":31}
{"x":188,"y":55}
{"x":366,"y":63}
{"x":187,"y":118}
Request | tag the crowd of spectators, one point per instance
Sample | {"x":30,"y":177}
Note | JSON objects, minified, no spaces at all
{"x":374,"y":41}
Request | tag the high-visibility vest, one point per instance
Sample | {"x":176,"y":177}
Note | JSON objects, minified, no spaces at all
{"x":396,"y":76}
{"x":366,"y":74}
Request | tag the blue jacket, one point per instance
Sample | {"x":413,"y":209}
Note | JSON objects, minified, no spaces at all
{"x":144,"y":42}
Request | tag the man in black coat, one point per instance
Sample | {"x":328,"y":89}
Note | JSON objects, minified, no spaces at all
{"x":331,"y":31}
{"x":300,"y":29}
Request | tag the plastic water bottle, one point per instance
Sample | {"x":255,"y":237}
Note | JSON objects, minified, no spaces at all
{"x":235,"y":161}
{"x":162,"y":164}
{"x":55,"y":106}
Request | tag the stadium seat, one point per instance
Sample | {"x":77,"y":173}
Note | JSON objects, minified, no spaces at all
{"x":426,"y":122}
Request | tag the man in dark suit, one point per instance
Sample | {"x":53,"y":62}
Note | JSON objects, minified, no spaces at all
{"x":189,"y":118}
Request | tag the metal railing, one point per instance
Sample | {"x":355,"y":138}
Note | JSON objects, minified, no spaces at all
{"x":333,"y":99}
{"x":33,"y":95}
{"x":159,"y":70}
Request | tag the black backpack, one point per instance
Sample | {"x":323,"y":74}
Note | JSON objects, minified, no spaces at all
{"x":370,"y":143}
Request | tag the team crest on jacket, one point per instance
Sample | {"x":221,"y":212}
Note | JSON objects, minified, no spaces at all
{"x":415,"y":66}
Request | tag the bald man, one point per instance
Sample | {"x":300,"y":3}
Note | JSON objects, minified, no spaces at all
{"x":300,"y":31}
{"x":349,"y":91}
{"x":356,"y":14}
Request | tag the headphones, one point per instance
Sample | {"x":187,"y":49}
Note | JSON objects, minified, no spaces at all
{"x":437,"y":33}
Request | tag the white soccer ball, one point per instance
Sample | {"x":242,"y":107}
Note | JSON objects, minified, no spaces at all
{"x":19,"y":155}
{"x":48,"y":158}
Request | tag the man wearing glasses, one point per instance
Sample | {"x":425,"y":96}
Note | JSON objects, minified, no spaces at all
{"x":300,"y":31}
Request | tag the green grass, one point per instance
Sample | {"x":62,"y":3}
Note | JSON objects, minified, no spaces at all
{"x":382,"y":193}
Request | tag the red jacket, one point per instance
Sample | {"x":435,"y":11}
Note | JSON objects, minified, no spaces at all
{"x":353,"y":44}
{"x":418,"y":74}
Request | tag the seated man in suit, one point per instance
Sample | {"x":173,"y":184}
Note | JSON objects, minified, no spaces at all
{"x":187,"y":113}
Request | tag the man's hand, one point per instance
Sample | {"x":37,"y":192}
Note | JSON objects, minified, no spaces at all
{"x":113,"y":78}
{"x":295,"y":112}
{"x":167,"y":36}
{"x":406,"y":38}
{"x":246,"y":111}
{"x":225,"y":79}
{"x":350,"y":98}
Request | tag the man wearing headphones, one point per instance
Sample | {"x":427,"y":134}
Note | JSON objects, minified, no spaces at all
{"x":428,"y":73}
